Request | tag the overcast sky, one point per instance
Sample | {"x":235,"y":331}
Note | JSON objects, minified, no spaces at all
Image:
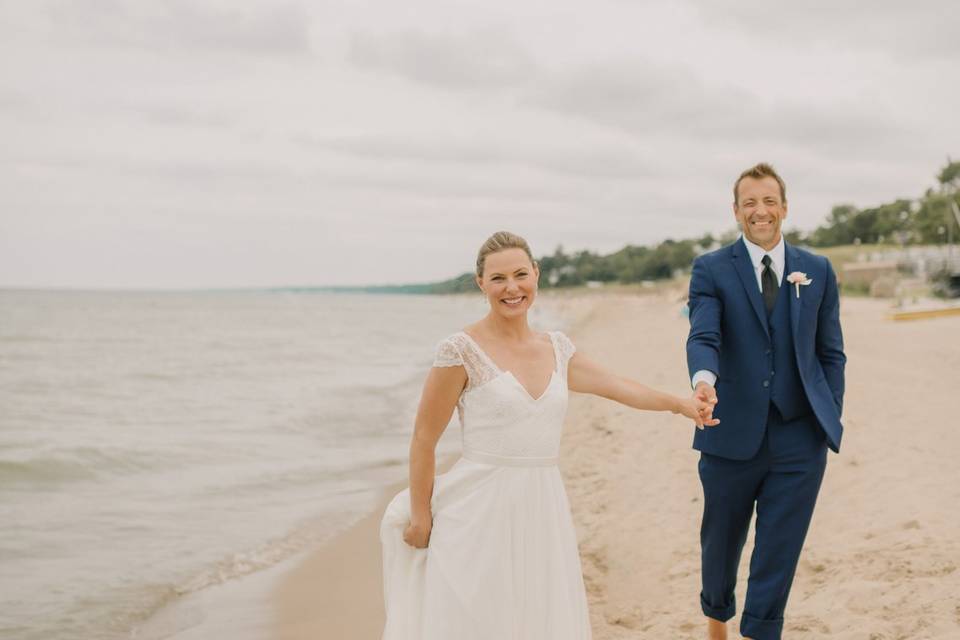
{"x":196,"y":143}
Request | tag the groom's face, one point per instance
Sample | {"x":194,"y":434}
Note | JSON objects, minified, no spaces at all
{"x":760,"y":210}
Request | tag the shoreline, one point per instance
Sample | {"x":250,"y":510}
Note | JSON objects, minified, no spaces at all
{"x":341,"y":605}
{"x":345,"y":605}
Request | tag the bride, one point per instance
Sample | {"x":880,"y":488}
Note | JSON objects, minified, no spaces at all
{"x":487,"y":551}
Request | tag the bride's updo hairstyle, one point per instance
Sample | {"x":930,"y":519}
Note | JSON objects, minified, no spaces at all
{"x":498,"y":242}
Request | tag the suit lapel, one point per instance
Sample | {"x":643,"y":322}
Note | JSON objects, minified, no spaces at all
{"x":793,"y":262}
{"x":748,"y":278}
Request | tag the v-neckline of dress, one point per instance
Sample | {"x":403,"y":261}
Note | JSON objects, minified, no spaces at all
{"x":500,"y":371}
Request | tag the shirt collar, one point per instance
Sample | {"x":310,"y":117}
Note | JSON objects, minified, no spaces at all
{"x":757,"y":252}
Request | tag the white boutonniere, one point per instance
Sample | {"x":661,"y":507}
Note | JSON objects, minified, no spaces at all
{"x":798,"y":278}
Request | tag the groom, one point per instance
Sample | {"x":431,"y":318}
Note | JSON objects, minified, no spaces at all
{"x":765,"y":347}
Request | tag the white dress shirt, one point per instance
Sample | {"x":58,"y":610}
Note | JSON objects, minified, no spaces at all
{"x":777,"y":263}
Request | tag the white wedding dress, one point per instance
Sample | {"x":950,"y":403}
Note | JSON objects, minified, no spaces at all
{"x":502,"y":563}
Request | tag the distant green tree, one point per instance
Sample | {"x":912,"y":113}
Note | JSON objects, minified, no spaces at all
{"x":550,"y":267}
{"x":931,"y":219}
{"x":949,"y":176}
{"x":596,"y":267}
{"x":628,"y":263}
{"x":838,"y":228}
{"x":794,"y":236}
{"x":889,"y":221}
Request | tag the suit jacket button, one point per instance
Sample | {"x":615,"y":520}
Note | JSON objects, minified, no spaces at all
{"x":766,"y":383}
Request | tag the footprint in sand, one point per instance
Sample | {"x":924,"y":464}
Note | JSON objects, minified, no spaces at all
{"x":628,"y":621}
{"x":598,"y":559}
{"x":600,"y":424}
{"x":808,"y":623}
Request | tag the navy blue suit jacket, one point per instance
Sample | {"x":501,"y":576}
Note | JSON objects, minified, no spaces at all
{"x":728,"y":336}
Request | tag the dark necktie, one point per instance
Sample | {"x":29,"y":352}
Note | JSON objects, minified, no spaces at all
{"x":769,"y":284}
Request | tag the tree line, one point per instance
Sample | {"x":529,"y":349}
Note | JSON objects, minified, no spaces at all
{"x":924,"y":220}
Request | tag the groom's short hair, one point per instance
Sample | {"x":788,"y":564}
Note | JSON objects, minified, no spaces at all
{"x":760,"y":170}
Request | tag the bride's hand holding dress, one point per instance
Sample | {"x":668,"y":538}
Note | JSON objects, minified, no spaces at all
{"x":441,"y":393}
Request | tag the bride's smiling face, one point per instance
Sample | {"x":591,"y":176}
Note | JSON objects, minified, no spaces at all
{"x":509,"y":281}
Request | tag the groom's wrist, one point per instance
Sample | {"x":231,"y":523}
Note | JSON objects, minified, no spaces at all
{"x":703,"y":375}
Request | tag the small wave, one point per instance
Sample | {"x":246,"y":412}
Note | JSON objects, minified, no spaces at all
{"x":262,"y":557}
{"x":307,"y":536}
{"x":44,"y":471}
{"x":71,"y":465}
{"x":387,"y":463}
{"x":153,"y":376}
{"x":329,"y":474}
{"x":27,"y":339}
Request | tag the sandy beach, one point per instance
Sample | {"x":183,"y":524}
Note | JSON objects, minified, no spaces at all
{"x":881,"y":557}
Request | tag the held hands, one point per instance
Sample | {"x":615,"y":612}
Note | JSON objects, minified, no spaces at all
{"x":417,"y":534}
{"x":704,"y":400}
{"x":698,"y":410}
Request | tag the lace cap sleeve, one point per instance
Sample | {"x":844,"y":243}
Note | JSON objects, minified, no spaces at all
{"x":565,"y":346}
{"x":448,"y":354}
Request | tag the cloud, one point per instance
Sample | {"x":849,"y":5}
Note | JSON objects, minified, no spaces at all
{"x":583,"y":159}
{"x":173,"y":25}
{"x":13,"y":101}
{"x":920,"y":28}
{"x":482,"y":58}
{"x":176,"y":116}
{"x":647,"y":101}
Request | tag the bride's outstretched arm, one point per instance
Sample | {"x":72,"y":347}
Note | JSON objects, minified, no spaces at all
{"x":586,"y":376}
{"x":437,"y":402}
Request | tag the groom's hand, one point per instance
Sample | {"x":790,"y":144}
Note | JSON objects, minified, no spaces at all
{"x":705,"y":395}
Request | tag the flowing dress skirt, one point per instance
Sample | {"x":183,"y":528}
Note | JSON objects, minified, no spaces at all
{"x":502,"y":563}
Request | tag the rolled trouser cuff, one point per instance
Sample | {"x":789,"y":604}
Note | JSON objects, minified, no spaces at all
{"x":759,"y":629}
{"x":717,"y":613}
